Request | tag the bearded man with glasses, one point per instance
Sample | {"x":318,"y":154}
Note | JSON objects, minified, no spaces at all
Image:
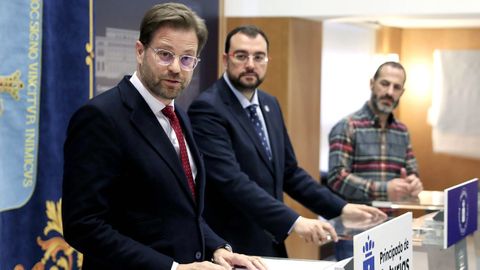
{"x":250,"y":161}
{"x":133,"y":177}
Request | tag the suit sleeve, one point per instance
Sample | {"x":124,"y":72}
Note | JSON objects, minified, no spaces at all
{"x":211,"y":132}
{"x":212,"y":240}
{"x":304,"y":189}
{"x":92,"y":164}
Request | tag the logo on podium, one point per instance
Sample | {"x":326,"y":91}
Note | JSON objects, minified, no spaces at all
{"x":369,"y":262}
{"x":463,"y":212}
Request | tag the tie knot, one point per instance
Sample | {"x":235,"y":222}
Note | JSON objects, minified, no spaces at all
{"x":168,"y":112}
{"x":252,"y":109}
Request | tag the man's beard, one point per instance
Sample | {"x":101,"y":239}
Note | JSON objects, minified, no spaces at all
{"x":382,"y":108}
{"x":166,"y":92}
{"x":153,"y":83}
{"x":241,"y":86}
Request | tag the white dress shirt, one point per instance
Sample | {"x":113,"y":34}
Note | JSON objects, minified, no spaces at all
{"x":157,"y":107}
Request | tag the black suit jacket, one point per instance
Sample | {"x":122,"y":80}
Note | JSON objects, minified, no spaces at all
{"x":126,"y":201}
{"x":244,"y":194}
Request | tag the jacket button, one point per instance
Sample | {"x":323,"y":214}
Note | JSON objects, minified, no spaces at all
{"x":198,"y":255}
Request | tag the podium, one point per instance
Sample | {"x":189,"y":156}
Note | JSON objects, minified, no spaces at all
{"x":428,"y":250}
{"x":289,"y":264}
{"x":444,"y":238}
{"x":432,"y":249}
{"x":436,"y":239}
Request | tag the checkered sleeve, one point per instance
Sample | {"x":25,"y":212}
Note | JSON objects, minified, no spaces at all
{"x":340,"y":177}
{"x":411,"y":161}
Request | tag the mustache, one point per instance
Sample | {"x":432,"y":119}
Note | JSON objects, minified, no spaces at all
{"x":389,"y":98}
{"x":172,"y":77}
{"x":246,"y":73}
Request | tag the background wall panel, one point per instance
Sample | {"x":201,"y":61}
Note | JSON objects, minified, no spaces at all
{"x":438,"y":171}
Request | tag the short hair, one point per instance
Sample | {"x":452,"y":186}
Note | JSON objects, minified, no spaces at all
{"x":175,"y":15}
{"x":393,"y":65}
{"x":249,"y":30}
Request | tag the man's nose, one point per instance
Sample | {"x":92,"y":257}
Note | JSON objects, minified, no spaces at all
{"x":390,"y":90}
{"x":175,"y":65}
{"x":250,"y":62}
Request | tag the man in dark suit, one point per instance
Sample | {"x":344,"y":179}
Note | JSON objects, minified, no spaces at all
{"x":133,"y":178}
{"x":250,"y":161}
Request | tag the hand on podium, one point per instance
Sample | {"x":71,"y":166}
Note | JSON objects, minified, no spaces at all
{"x":314,"y":230}
{"x":354,"y":211}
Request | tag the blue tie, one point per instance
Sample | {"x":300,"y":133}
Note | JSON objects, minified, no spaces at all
{"x":252,"y":113}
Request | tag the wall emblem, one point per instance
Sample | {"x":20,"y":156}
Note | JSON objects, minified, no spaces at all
{"x":57,"y":253}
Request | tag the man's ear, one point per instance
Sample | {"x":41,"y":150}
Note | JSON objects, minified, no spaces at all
{"x":139,"y":51}
{"x":225,"y":61}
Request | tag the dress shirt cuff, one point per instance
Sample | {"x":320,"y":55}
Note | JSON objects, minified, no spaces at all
{"x":293,"y":225}
{"x":174,"y":266}
{"x":224,"y":246}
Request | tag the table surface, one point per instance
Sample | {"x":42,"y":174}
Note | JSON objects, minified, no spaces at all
{"x":426,"y":200}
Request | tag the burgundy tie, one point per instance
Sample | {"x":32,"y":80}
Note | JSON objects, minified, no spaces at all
{"x":168,"y":112}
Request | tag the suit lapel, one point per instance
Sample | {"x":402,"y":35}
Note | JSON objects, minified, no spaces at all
{"x":238,"y":112}
{"x":147,"y":124}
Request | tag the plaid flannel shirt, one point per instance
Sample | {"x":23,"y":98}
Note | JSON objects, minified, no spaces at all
{"x":363,"y":156}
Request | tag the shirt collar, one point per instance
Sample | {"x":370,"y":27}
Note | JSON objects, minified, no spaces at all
{"x":375,"y":119}
{"x":155,"y":105}
{"x":241,"y":98}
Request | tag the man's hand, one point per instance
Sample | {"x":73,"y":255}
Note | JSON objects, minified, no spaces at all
{"x":314,"y":230}
{"x":404,"y":186}
{"x":353,"y":211}
{"x":228,"y":260}
{"x":416,"y":185}
{"x":201,"y":266}
{"x":397,"y":188}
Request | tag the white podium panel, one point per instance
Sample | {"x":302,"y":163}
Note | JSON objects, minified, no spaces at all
{"x":296,"y":264}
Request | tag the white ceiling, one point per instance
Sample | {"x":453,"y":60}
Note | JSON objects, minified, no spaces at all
{"x":403,"y":14}
{"x":413,"y":21}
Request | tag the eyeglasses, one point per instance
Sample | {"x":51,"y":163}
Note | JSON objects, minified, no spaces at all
{"x":166,"y":58}
{"x":243,"y":57}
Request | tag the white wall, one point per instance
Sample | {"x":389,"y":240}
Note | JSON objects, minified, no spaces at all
{"x":341,"y":8}
{"x":346,"y":70}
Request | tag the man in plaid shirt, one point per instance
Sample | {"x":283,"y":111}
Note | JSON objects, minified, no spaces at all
{"x":371,"y":157}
